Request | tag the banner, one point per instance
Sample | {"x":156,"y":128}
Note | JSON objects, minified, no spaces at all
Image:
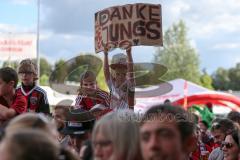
{"x":17,"y":46}
{"x":128,"y":25}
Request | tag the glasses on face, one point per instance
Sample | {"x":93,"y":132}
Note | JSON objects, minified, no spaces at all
{"x":25,"y":73}
{"x":227,"y":145}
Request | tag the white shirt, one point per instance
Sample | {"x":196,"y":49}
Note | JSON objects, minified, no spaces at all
{"x":119,"y":95}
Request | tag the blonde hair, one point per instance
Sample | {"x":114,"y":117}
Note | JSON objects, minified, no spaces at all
{"x":122,"y":129}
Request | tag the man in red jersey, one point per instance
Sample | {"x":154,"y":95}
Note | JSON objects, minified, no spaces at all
{"x":11,"y":103}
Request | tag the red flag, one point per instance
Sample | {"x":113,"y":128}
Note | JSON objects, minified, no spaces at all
{"x":185,"y":91}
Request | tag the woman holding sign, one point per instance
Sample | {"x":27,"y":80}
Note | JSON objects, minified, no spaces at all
{"x":120,"y":80}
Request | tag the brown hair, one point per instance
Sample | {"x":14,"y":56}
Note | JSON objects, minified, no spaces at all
{"x":8,"y":74}
{"x":85,"y":75}
{"x":30,"y":120}
{"x":234,"y":116}
{"x":224,"y":125}
{"x":35,"y":145}
{"x":28,"y":65}
{"x":184,"y":120}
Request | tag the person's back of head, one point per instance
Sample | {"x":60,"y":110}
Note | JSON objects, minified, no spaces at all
{"x":31,"y":121}
{"x":188,"y":130}
{"x":195,"y":118}
{"x":33,"y":145}
{"x":234,"y":116}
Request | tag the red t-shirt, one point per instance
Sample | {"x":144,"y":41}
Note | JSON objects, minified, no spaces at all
{"x":197,"y":154}
{"x":36,"y":98}
{"x":19,"y":103}
{"x":86,"y":102}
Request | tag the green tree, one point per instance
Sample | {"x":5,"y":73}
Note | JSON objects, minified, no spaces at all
{"x":234,"y":76}
{"x":81,"y":63}
{"x":45,"y":67}
{"x":60,"y":70}
{"x":12,"y":64}
{"x":206,"y":80}
{"x":101,"y":80}
{"x":72,"y":69}
{"x":147,"y":74}
{"x":221,"y":80}
{"x":178,"y":55}
{"x":227,"y":79}
{"x":44,"y":80}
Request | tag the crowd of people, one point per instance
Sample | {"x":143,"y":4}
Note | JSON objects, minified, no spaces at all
{"x":102,"y":125}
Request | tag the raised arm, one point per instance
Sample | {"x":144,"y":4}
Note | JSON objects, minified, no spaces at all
{"x":130,"y":64}
{"x":106,"y":66}
{"x":131,"y":92}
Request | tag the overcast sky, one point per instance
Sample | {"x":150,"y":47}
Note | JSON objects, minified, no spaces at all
{"x":67,"y":27}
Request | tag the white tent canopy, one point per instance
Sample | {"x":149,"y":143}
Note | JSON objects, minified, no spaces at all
{"x":55,"y":98}
{"x":180,"y":89}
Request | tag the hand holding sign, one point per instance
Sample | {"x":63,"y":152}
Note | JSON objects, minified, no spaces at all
{"x":128,"y":25}
{"x":129,"y":50}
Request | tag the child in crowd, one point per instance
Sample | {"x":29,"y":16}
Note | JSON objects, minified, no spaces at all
{"x":11,"y":103}
{"x":90,"y":95}
{"x":36,"y":97}
{"x":120,"y":80}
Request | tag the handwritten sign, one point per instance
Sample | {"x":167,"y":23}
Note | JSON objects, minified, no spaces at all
{"x":17,"y":46}
{"x":128,"y":25}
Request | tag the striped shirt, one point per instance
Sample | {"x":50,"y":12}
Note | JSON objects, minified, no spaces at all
{"x":36,"y":97}
{"x":119,"y":96}
{"x":87,"y":102}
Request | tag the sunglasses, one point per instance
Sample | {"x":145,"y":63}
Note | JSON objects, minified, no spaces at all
{"x":227,"y":145}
